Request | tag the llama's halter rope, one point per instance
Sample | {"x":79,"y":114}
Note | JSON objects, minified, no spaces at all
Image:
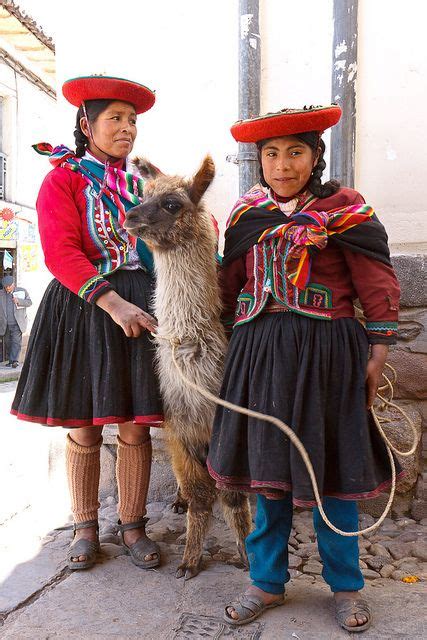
{"x":298,"y":444}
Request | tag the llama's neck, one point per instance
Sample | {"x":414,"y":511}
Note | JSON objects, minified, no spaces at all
{"x":187,"y":298}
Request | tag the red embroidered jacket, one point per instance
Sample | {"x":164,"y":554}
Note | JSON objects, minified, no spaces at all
{"x":254,"y":281}
{"x":79,"y":244}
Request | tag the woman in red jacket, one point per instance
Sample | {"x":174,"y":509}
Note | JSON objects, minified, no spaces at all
{"x":90,"y":358}
{"x":297,"y":253}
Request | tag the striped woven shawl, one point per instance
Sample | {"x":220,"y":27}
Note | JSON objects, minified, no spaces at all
{"x":306,"y":232}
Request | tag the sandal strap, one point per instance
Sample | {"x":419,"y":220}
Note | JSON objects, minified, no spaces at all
{"x":85,"y":525}
{"x":83,"y":548}
{"x":132,"y":525}
{"x":349,"y":608}
{"x":248,"y":602}
{"x":143,"y":547}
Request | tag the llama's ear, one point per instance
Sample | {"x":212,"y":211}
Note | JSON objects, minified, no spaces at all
{"x":146,"y":168}
{"x":201,"y":180}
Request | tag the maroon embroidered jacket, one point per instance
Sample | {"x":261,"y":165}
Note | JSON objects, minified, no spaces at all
{"x":337,"y":278}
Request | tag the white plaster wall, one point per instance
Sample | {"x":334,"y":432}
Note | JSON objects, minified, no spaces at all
{"x":9,"y":126}
{"x":28,"y":114}
{"x":188,"y":51}
{"x":35,"y":112}
{"x":391,"y":141}
{"x":296,"y":54}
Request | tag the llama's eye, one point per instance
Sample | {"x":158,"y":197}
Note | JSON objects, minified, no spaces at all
{"x":172,"y":206}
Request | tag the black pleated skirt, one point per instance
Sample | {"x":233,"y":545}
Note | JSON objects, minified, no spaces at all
{"x":311,"y":374}
{"x":81,"y":369}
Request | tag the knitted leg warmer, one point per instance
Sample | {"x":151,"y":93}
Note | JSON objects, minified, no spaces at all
{"x":133,"y":476}
{"x":83,"y":467}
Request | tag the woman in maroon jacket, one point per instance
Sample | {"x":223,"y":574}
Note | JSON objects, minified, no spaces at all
{"x":90,"y":359}
{"x":297,"y":253}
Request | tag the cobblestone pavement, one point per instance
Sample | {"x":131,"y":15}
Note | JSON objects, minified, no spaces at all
{"x":41,"y":599}
{"x":397,"y":551}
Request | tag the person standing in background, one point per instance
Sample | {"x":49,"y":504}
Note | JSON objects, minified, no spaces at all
{"x":13,"y":317}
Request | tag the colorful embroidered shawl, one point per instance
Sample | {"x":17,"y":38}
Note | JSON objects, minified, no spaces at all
{"x":119,"y":190}
{"x":256,"y":218}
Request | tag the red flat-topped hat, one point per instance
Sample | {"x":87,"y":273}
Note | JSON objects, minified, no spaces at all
{"x":286,"y":122}
{"x":98,"y":87}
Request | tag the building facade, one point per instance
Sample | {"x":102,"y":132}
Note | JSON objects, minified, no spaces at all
{"x":27,"y":107}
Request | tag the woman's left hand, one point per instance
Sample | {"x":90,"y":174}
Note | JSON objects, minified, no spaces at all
{"x":374,"y":371}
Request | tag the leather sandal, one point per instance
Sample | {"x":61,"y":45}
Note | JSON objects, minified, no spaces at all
{"x":348,"y":608}
{"x":82,"y":547}
{"x":142,"y":547}
{"x":248,"y":607}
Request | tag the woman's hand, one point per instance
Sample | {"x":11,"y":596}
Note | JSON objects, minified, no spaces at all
{"x":374,"y":371}
{"x":128,"y":316}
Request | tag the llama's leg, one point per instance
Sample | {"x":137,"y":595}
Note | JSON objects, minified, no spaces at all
{"x":237,"y":513}
{"x":200,"y":493}
{"x":179,"y":505}
{"x":198,"y":489}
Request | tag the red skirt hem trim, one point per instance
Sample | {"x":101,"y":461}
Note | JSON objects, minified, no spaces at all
{"x":253,"y":486}
{"x":155,"y":420}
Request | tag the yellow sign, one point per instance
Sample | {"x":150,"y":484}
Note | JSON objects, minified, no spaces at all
{"x":8,"y":229}
{"x":28,"y":257}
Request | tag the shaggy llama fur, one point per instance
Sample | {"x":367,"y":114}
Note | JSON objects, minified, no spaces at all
{"x":176,"y":227}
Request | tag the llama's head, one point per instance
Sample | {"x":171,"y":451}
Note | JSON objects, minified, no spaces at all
{"x":171,"y":209}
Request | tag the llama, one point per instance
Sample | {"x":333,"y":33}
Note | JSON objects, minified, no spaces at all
{"x":174,"y":224}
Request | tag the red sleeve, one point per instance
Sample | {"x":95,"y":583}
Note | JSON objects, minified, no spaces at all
{"x":61,"y":237}
{"x":378,"y":291}
{"x":232,"y":279}
{"x":376,"y":286}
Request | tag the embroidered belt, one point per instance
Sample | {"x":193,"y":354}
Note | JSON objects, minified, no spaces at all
{"x":273,"y":306}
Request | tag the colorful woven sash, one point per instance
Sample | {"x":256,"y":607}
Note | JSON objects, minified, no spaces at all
{"x":312,"y":229}
{"x":305,"y":233}
{"x":119,"y":190}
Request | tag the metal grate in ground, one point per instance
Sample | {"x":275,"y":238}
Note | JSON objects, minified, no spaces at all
{"x":198,"y":627}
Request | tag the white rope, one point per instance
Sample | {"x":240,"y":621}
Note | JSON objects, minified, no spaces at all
{"x":300,"y":447}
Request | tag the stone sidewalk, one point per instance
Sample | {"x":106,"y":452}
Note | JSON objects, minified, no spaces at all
{"x":41,"y":599}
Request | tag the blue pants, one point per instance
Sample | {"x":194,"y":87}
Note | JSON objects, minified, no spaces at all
{"x":267,"y":545}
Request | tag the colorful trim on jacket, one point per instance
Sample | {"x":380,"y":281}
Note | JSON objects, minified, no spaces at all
{"x":381,"y":331}
{"x":270,"y":279}
{"x":93,"y":288}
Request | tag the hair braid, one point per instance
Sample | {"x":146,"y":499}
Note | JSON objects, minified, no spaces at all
{"x":315,"y":183}
{"x":93,"y":109}
{"x":81,"y":140}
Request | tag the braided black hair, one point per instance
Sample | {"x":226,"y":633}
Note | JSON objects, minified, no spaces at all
{"x":93,"y":109}
{"x":315,"y":142}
